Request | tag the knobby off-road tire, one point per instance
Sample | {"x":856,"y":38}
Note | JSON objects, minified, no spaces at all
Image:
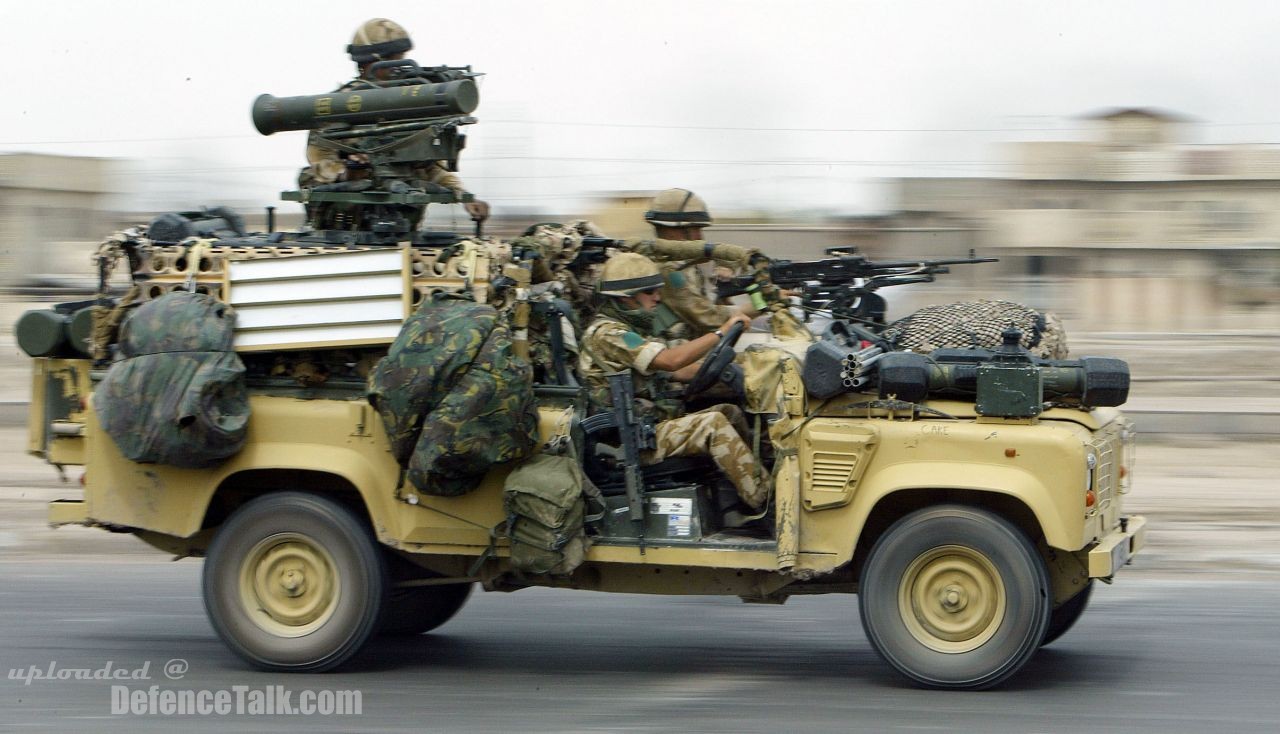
{"x":1064,"y":617}
{"x":294,"y":582}
{"x":955,"y":597}
{"x":419,"y":609}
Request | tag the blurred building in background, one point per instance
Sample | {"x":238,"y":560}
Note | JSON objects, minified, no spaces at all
{"x":1134,"y":229}
{"x":1131,"y":230}
{"x":53,"y":209}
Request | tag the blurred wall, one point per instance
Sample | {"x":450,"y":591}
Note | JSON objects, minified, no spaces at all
{"x":52,"y":212}
{"x":1133,"y":230}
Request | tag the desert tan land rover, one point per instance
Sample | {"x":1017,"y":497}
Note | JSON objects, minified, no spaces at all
{"x":968,"y":496}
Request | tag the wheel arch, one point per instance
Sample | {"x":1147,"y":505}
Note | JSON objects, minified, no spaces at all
{"x":346,"y":478}
{"x":897,"y":504}
{"x":249,"y":484}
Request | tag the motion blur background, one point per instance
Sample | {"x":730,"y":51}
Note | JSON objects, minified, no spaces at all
{"x":1121,"y":159}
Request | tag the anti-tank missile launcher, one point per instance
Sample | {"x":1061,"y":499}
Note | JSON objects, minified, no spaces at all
{"x":1005,"y":382}
{"x":390,"y":127}
{"x":374,"y":106}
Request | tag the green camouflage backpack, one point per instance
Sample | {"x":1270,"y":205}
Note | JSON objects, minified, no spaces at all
{"x":453,"y":397}
{"x":178,"y":395}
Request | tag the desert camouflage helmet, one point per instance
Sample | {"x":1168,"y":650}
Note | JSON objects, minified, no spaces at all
{"x":678,"y":208}
{"x":378,"y":38}
{"x":628,"y":273}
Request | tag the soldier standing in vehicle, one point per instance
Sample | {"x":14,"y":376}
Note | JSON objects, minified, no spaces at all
{"x":378,"y":39}
{"x":679,"y":216}
{"x":621,"y":337}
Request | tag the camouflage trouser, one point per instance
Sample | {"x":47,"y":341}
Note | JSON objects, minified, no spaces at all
{"x":712,"y":432}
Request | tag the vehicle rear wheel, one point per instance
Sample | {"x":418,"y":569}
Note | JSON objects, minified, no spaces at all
{"x":294,"y":582}
{"x":1064,"y":617}
{"x":418,"y":609}
{"x":954,"y":597}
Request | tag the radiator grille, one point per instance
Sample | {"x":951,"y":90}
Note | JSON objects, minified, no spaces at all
{"x":1104,"y":473}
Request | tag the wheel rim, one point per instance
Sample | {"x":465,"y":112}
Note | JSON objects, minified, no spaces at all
{"x":289,"y":585}
{"x":952,"y":599}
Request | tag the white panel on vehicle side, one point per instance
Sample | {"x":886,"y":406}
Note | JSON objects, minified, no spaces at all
{"x":311,"y":338}
{"x":330,"y":289}
{"x":308,"y":301}
{"x":310,"y":266}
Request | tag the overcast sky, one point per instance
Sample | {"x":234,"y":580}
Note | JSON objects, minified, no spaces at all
{"x":789,"y":106}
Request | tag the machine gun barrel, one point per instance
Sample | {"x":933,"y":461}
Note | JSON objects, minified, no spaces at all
{"x":844,"y":284}
{"x":895,"y":264}
{"x":365,"y":106}
{"x":843,"y":269}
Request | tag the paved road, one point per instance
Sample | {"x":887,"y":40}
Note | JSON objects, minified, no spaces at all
{"x":1186,"y":641}
{"x":1151,"y":655}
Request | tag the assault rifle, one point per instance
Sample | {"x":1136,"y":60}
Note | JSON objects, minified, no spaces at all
{"x":636,"y":435}
{"x":845,"y":284}
{"x":387,"y":129}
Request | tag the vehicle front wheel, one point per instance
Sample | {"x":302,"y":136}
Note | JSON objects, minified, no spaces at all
{"x":294,"y":582}
{"x":954,"y":597}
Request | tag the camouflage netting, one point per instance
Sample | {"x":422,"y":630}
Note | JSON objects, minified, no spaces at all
{"x":454,"y":398}
{"x":978,"y":324}
{"x":178,"y":394}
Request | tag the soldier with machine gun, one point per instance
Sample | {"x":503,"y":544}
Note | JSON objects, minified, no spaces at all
{"x":678,"y":217}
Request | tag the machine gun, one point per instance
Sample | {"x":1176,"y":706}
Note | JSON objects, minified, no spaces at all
{"x":388,"y":130}
{"x":844,"y":284}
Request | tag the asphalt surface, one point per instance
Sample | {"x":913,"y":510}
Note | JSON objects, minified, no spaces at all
{"x":1185,"y":641}
{"x":1150,"y":655}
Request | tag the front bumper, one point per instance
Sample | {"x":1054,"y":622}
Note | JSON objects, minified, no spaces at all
{"x":1117,"y":547}
{"x":68,"y":512}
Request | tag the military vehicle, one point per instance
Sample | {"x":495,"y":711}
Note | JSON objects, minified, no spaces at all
{"x":970,"y":497}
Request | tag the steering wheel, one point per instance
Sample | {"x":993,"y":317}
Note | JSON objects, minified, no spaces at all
{"x":720,"y":357}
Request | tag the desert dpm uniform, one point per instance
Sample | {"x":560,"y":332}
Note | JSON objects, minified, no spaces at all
{"x":611,"y":345}
{"x":685,"y":292}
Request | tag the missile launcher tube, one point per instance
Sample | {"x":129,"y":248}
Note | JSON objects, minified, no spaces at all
{"x":365,"y":106}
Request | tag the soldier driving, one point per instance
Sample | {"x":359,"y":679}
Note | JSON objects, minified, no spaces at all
{"x":621,"y":337}
{"x":378,"y":39}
